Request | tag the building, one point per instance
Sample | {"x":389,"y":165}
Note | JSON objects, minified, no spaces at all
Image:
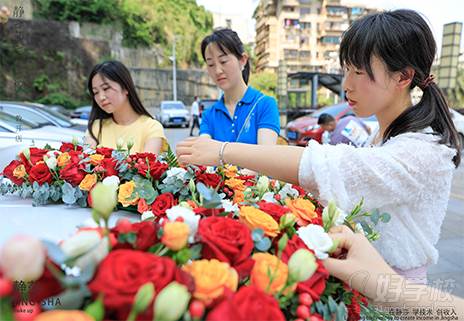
{"x":304,"y":33}
{"x":241,"y":24}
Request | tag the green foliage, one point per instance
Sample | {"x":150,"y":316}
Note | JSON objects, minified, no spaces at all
{"x":265,"y":81}
{"x":58,"y":98}
{"x":144,"y":22}
{"x":456,"y":95}
{"x":41,"y":82}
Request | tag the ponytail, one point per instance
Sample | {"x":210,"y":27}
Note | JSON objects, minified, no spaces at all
{"x":246,"y":72}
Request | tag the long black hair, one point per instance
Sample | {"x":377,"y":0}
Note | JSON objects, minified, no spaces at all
{"x":402,"y":39}
{"x":115,"y":71}
{"x":228,"y":39}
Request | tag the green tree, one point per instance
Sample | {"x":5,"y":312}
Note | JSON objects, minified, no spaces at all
{"x":456,"y":95}
{"x":265,"y":81}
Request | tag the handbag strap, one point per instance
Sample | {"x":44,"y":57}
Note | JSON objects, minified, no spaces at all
{"x":247,"y":120}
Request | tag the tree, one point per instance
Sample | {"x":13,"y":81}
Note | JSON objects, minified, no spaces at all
{"x":265,"y":81}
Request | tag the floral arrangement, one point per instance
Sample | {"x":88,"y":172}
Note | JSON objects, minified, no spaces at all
{"x":212,"y":244}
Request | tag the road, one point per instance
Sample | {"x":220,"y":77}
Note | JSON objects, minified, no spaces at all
{"x":448,"y":273}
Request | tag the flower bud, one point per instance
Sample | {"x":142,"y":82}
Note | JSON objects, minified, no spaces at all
{"x":143,"y":297}
{"x":302,"y":265}
{"x":104,"y":199}
{"x":165,"y":309}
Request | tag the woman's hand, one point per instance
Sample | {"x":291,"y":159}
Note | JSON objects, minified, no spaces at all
{"x":199,"y":151}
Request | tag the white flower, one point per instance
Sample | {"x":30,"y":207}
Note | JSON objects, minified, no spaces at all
{"x":146,"y":215}
{"x":229,"y":206}
{"x":176,"y":172}
{"x":269,"y":197}
{"x":333,"y":215}
{"x":262,"y":184}
{"x":89,"y":244}
{"x":288,"y":191}
{"x":190,"y":218}
{"x":50,"y":161}
{"x":111,"y":180}
{"x":210,"y":170}
{"x":316,"y":239}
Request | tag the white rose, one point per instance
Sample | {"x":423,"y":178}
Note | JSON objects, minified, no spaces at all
{"x":190,"y":218}
{"x":210,"y":170}
{"x":147,"y":215}
{"x":177,"y":172}
{"x":111,"y":180}
{"x":89,"y":244}
{"x":50,"y":161}
{"x":316,"y":239}
{"x":229,"y":206}
{"x":288,"y":191}
{"x":269,"y":197}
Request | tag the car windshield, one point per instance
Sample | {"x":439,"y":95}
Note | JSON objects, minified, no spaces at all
{"x":331,"y":110}
{"x":172,"y":106}
{"x":16,"y":121}
{"x":59,"y":118}
{"x":26,"y":114}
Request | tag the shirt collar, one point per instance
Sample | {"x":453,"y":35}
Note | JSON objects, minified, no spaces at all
{"x":248,"y":97}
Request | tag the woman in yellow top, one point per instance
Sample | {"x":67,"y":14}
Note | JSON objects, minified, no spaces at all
{"x":118,"y":114}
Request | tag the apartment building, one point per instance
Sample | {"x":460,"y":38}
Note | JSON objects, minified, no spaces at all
{"x":304,"y":33}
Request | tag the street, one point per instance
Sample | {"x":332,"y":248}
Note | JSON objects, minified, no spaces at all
{"x":448,"y":273}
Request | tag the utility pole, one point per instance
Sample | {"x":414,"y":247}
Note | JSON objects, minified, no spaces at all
{"x":174,"y":74}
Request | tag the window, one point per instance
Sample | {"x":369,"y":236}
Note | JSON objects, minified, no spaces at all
{"x":330,"y":39}
{"x":229,"y":23}
{"x":305,"y":10}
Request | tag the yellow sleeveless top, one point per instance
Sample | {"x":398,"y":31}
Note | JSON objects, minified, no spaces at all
{"x":139,"y":131}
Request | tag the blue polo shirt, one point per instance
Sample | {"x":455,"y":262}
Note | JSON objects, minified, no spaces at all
{"x":220,"y":125}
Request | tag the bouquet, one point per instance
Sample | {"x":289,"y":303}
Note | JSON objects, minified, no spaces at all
{"x":212,"y":244}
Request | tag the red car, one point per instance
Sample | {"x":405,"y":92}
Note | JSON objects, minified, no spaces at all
{"x":303,"y":129}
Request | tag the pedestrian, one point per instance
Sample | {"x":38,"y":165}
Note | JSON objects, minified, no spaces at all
{"x":349,"y":130}
{"x":242,"y":114}
{"x":195,"y":115}
{"x":117,"y":113}
{"x":408,"y":168}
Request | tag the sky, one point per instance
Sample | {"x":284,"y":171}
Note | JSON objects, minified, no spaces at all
{"x":438,"y":12}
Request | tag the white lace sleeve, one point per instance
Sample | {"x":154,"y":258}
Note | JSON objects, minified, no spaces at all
{"x":395,"y":173}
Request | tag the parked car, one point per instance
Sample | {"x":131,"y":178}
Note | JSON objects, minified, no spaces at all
{"x":173,"y":113}
{"x":81,"y":112}
{"x":458,"y":121}
{"x":40,"y":114}
{"x":299,"y":131}
{"x":206,"y":103}
{"x":60,"y":109}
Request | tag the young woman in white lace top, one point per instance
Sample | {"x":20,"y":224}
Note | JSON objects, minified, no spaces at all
{"x":407,"y":170}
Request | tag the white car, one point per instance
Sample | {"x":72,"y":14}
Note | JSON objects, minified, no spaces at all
{"x":173,"y":113}
{"x":458,"y":121}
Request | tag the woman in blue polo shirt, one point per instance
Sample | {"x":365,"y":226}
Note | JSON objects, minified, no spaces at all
{"x":243,"y":114}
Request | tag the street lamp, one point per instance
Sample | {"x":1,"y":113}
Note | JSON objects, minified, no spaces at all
{"x":174,"y":73}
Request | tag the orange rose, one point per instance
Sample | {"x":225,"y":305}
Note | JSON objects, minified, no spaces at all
{"x":269,"y":273}
{"x":230,"y":171}
{"x":88,"y":182}
{"x":63,"y":159}
{"x":239,"y":197}
{"x":235,"y":184}
{"x":19,"y":171}
{"x":175,"y":235}
{"x":211,"y":277}
{"x":255,"y":218}
{"x":95,"y":159}
{"x":127,"y":195}
{"x":64,"y":315}
{"x":303,"y":209}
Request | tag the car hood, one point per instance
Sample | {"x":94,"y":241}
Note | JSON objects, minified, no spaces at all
{"x":302,"y":123}
{"x":175,"y":112}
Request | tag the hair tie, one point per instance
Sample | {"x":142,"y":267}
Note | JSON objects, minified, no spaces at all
{"x":426,"y":82}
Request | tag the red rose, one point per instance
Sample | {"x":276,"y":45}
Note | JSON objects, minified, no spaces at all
{"x":227,"y":240}
{"x":109,"y":167}
{"x":8,"y":172}
{"x":123,"y":272}
{"x":209,"y":179}
{"x":144,"y":157}
{"x":275,"y":210}
{"x":35,"y":155}
{"x":315,"y":285}
{"x":249,"y":303}
{"x":67,"y":147}
{"x":105,"y":151}
{"x":300,"y":190}
{"x":162,"y":203}
{"x":40,"y":173}
{"x":208,"y":211}
{"x":145,"y":232}
{"x":151,"y":169}
{"x":72,"y":173}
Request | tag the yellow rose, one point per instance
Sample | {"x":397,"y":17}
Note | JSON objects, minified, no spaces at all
{"x":175,"y":235}
{"x":19,"y":171}
{"x":236,"y":184}
{"x":64,"y":315}
{"x":63,"y":159}
{"x":255,"y":218}
{"x":230,"y":171}
{"x":269,"y":273}
{"x":211,"y":277}
{"x":303,"y":209}
{"x":88,"y":182}
{"x":95,"y":159}
{"x":125,"y":196}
